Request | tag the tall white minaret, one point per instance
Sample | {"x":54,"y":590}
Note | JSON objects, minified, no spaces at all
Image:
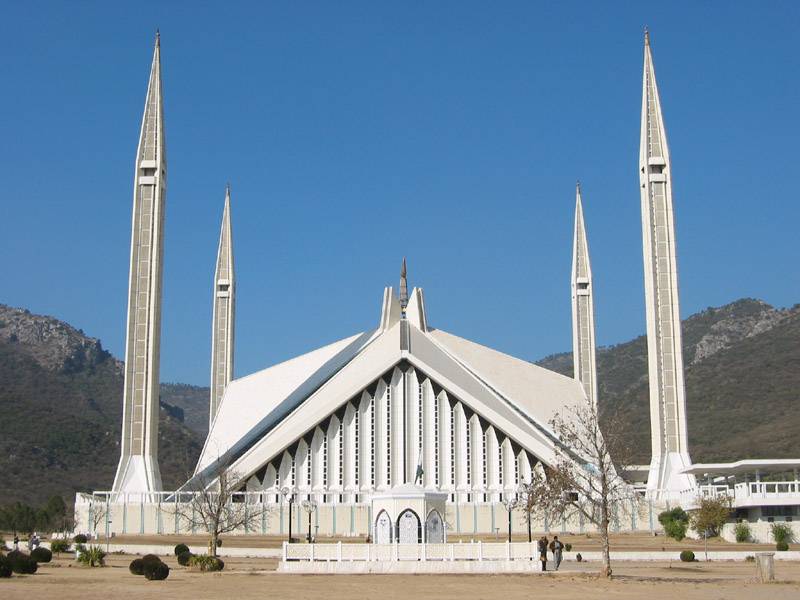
{"x":583,"y":344}
{"x":224,"y":309}
{"x":670,"y":449}
{"x":138,"y":464}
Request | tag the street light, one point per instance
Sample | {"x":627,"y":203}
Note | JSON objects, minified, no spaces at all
{"x":287,"y":493}
{"x":309,"y":506}
{"x":510,"y":502}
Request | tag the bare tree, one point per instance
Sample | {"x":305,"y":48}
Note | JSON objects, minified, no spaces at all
{"x":214,"y":506}
{"x":98,"y":511}
{"x":533,"y":498}
{"x":585,"y":477}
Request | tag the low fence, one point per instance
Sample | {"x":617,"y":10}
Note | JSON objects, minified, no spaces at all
{"x":474,"y":551}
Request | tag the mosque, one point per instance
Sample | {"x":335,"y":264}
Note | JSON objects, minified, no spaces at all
{"x":405,"y":408}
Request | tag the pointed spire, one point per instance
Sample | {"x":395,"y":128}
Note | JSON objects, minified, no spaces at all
{"x":158,"y":38}
{"x":222,"y":333}
{"x":583,"y":335}
{"x":403,"y":285}
{"x":669,"y":434}
{"x":646,"y":36}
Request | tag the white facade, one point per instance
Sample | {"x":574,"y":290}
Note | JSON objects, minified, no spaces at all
{"x":583,"y":343}
{"x":669,"y":438}
{"x":223,"y":319}
{"x":138,"y":466}
{"x":380,"y":408}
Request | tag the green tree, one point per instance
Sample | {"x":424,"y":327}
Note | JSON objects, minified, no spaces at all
{"x":711,"y":515}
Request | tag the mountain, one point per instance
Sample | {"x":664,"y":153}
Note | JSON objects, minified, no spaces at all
{"x":61,"y":413}
{"x":742,"y":371}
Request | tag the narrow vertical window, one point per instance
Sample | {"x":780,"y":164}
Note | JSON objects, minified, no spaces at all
{"x":436,"y":441}
{"x":357,"y":455}
{"x":371,"y":409}
{"x":469,"y":457}
{"x":388,"y":435}
{"x":452,"y":448}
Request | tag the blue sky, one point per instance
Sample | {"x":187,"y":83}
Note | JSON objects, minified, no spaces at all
{"x":356,"y":133}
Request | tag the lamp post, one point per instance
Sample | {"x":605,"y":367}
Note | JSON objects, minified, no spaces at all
{"x":510,"y":502}
{"x":287,"y":493}
{"x":309,"y":506}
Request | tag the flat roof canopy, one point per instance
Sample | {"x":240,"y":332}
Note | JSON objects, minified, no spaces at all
{"x":762,"y":465}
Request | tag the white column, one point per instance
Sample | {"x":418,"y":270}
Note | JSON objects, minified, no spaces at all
{"x":461,"y":447}
{"x":509,"y":475}
{"x":301,"y":459}
{"x":317,"y":460}
{"x":334,"y":439}
{"x":413,"y":409}
{"x":476,"y":441}
{"x":349,"y":440}
{"x":381,"y":435}
{"x":493,"y":466}
{"x":365,"y":445}
{"x":398,"y":428}
{"x":445,"y":464}
{"x":430,"y":434}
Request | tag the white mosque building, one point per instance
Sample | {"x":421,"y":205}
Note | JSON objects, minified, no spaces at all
{"x":404,"y":407}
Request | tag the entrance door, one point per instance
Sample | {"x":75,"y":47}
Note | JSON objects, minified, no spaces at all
{"x":383,"y":529}
{"x":434,"y":528}
{"x":408,"y":528}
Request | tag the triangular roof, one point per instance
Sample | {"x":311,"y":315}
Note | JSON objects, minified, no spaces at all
{"x":516,"y":396}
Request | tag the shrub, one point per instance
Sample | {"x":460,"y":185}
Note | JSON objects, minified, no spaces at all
{"x":22,"y":563}
{"x":687,"y":556}
{"x":676,"y":529}
{"x":93,"y":556}
{"x":203,"y":562}
{"x":59,"y":546}
{"x":80,"y":539}
{"x":749,"y":558}
{"x":675,"y":521}
{"x":41,"y":555}
{"x":184,"y":558}
{"x":137,"y":566}
{"x":578,"y":557}
{"x":5,"y":567}
{"x":781,"y":532}
{"x":675,"y":514}
{"x":180,"y":549}
{"x":782,"y":546}
{"x":742,"y":532}
{"x":155,"y":571}
{"x":568,"y":547}
{"x":151,"y":558}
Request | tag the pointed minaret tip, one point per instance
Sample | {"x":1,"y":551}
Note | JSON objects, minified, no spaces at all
{"x":158,"y":38}
{"x":646,"y":36}
{"x":403,"y":285}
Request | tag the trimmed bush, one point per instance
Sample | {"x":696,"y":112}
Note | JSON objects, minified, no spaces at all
{"x":80,"y":539}
{"x":151,"y":558}
{"x":203,"y":562}
{"x":59,"y":546}
{"x":749,"y":558}
{"x":22,"y":563}
{"x":742,"y":532}
{"x":687,"y":556}
{"x":5,"y":567}
{"x":137,"y":566}
{"x":782,"y":546}
{"x":184,"y":558}
{"x":568,"y":547}
{"x":41,"y":555}
{"x":578,"y":557}
{"x":675,"y":514}
{"x":155,"y":571}
{"x":180,"y":549}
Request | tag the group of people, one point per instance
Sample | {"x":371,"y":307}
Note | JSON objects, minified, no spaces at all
{"x":556,"y":547}
{"x":33,"y":541}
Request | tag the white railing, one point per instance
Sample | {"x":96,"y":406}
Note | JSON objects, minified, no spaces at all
{"x":475,"y":551}
{"x":744,"y":492}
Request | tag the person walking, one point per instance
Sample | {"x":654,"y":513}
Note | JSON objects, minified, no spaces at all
{"x":543,"y":552}
{"x":557,"y":548}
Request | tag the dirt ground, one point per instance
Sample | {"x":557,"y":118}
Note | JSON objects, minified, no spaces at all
{"x":256,"y":578}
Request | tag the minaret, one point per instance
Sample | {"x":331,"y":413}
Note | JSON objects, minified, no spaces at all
{"x":670,"y":452}
{"x":583,"y":344}
{"x":224,"y":308}
{"x":138,"y":465}
{"x":403,"y":286}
